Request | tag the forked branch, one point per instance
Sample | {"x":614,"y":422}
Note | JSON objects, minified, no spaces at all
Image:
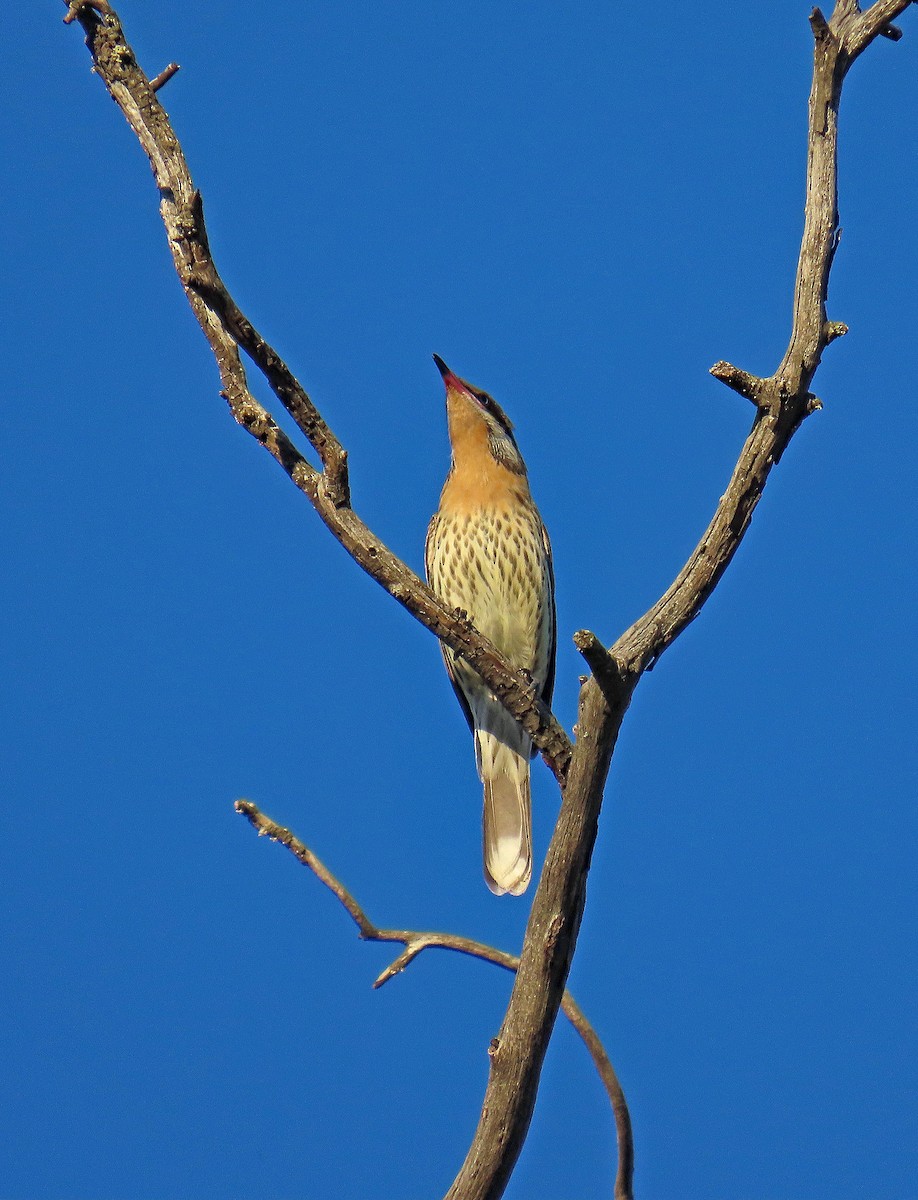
{"x":782,"y":402}
{"x":415,"y":942}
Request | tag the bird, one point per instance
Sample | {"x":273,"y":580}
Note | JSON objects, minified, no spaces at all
{"x":487,"y":554}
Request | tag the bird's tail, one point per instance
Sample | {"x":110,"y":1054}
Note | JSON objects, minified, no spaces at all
{"x":507,"y":818}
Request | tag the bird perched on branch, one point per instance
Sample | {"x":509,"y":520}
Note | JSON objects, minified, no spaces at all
{"x":488,"y":554}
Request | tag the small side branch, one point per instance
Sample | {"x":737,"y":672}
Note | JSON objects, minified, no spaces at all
{"x":415,"y":942}
{"x":614,"y":683}
{"x":862,"y":28}
{"x":740,"y":381}
{"x":624,"y":1179}
{"x":164,"y":76}
{"x":75,"y":8}
{"x":819,"y":24}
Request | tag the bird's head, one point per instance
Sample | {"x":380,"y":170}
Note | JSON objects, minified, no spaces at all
{"x":475,"y":416}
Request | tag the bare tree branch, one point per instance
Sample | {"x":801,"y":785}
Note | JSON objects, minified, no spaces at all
{"x":164,"y":76}
{"x":783,"y":401}
{"x":226,"y":328}
{"x":860,"y":29}
{"x":415,"y":942}
{"x":740,"y":381}
{"x":606,"y":670}
{"x":625,"y":1174}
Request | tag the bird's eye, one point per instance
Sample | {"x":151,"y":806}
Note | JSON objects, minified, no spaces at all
{"x":485,"y":401}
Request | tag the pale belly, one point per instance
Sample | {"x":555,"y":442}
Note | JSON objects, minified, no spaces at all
{"x":495,"y":568}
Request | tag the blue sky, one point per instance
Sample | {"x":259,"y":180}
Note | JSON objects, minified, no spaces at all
{"x":581,"y":210}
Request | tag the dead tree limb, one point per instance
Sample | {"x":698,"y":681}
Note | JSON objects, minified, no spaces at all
{"x":227,"y":330}
{"x":782,"y":402}
{"x":416,"y":941}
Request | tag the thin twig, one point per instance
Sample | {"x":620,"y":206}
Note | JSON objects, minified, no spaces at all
{"x":160,"y":80}
{"x":415,"y":942}
{"x":624,"y":1178}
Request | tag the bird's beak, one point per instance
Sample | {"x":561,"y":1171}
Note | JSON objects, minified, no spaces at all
{"x":448,"y":377}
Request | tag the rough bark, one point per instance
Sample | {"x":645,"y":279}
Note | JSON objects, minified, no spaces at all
{"x":228,"y":330}
{"x":782,"y":401}
{"x":417,"y":941}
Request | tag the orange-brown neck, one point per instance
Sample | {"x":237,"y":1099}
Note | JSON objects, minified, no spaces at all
{"x":477,"y":479}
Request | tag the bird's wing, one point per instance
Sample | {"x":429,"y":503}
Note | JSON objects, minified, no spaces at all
{"x":448,"y":656}
{"x":549,"y":687}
